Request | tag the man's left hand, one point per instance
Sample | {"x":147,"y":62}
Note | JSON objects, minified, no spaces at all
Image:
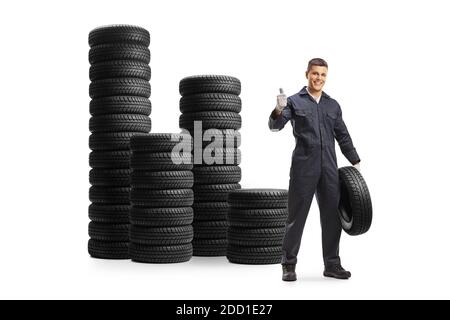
{"x":357,"y":166}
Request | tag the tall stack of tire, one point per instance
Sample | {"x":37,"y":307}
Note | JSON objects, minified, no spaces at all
{"x":161,"y":200}
{"x":257,"y":225}
{"x":120,"y":107}
{"x":213,"y":100}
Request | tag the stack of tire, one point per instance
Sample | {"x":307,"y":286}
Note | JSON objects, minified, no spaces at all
{"x":161,"y":200}
{"x":257,"y":224}
{"x":213,"y":100}
{"x":120,"y":107}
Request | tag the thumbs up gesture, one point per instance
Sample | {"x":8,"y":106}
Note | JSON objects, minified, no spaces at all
{"x":281,"y":101}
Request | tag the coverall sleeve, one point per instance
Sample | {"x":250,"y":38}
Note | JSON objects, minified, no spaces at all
{"x":278,"y":123}
{"x":344,"y":140}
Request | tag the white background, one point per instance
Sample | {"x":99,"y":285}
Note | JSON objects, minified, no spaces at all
{"x":388,"y":68}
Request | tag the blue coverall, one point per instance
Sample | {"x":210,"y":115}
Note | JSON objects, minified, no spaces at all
{"x":314,"y":170}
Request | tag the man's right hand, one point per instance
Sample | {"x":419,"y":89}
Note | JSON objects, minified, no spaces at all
{"x":281,"y":102}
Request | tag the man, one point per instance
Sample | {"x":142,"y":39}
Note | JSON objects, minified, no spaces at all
{"x":316,"y":119}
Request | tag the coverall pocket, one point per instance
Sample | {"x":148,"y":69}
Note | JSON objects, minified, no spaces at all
{"x":303,"y":128}
{"x":332,"y":115}
{"x":330,"y":122}
{"x":331,"y":119}
{"x":302,"y":113}
{"x":303,"y":120}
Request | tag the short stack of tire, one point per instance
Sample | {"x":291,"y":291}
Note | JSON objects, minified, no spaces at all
{"x":120,"y":107}
{"x":257,"y":224}
{"x":161,"y":200}
{"x":214,"y":100}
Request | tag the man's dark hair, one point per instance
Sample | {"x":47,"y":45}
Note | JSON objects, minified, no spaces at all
{"x":316,"y":62}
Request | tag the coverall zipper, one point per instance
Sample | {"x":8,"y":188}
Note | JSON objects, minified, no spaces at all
{"x":320,"y":135}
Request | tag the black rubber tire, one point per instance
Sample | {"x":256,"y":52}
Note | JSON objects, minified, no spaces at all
{"x":112,"y":141}
{"x":109,"y":232}
{"x":109,"y":195}
{"x":210,"y":211}
{"x":120,"y":105}
{"x":210,"y":247}
{"x":254,"y":204}
{"x":219,"y":157}
{"x":249,"y":255}
{"x":210,"y":102}
{"x":161,"y":236}
{"x":110,"y":159}
{"x":257,"y":218}
{"x":162,"y":198}
{"x":160,"y":161}
{"x":214,"y":192}
{"x":259,"y":194}
{"x":260,"y":237}
{"x":119,"y":34}
{"x":108,"y":250}
{"x":258,"y":198}
{"x":112,"y":214}
{"x":119,"y":51}
{"x":120,"y":123}
{"x":119,"y":87}
{"x":120,"y":69}
{"x":355,"y":204}
{"x":160,"y":254}
{"x":209,"y":84}
{"x":210,"y":229}
{"x":110,"y":177}
{"x":162,"y":179}
{"x":160,"y":142}
{"x":216,"y":174}
{"x":161,"y":217}
{"x":211,"y":120}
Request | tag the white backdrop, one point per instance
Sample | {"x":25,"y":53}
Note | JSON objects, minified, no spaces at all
{"x":388,"y":68}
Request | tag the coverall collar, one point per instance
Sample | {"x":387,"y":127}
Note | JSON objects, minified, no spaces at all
{"x":304,"y":91}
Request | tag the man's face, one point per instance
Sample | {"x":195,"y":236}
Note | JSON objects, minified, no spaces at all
{"x":317,"y":77}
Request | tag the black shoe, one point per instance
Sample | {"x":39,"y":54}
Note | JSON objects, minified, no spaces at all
{"x":336,"y":271}
{"x":289,"y":272}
